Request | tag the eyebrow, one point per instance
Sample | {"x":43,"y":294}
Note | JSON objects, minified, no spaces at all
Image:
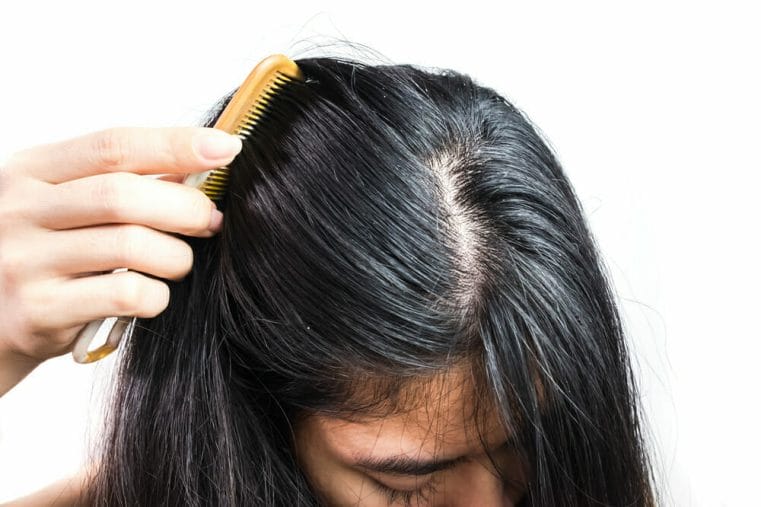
{"x":404,"y":465}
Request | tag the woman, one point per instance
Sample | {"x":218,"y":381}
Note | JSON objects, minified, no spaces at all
{"x":404,"y":307}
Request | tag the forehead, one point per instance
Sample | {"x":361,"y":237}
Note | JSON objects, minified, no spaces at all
{"x":443,"y":416}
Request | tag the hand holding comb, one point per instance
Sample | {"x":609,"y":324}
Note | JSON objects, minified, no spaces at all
{"x":243,"y":116}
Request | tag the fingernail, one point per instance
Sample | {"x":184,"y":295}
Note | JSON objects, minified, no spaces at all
{"x":215,"y":145}
{"x":215,"y":223}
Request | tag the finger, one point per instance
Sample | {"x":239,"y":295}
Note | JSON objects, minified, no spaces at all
{"x":140,"y":150}
{"x":124,"y":198}
{"x":108,"y":247}
{"x":65,"y":304}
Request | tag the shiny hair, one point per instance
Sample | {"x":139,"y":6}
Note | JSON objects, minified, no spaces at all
{"x":389,"y":222}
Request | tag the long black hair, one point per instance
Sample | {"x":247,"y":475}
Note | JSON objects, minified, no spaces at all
{"x":395,"y":222}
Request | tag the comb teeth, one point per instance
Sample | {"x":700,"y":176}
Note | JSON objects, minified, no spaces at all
{"x":244,"y":113}
{"x":215,"y":183}
{"x":253,"y":116}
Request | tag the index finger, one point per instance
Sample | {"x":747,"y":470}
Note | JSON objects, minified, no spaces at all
{"x":141,"y":150}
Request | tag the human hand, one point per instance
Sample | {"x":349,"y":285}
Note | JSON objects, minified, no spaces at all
{"x":73,"y":211}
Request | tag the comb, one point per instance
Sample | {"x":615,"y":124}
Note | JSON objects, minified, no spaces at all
{"x":244,"y":112}
{"x":242,"y":116}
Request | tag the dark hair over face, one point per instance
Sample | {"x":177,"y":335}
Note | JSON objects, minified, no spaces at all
{"x":389,"y":223}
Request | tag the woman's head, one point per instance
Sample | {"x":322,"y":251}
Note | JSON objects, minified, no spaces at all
{"x":404,"y":275}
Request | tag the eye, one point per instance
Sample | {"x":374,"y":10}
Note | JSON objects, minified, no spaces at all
{"x":406,"y":496}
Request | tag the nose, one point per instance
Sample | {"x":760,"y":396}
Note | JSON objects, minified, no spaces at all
{"x":477,"y":485}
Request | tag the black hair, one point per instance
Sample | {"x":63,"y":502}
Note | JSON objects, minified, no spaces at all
{"x":390,"y":222}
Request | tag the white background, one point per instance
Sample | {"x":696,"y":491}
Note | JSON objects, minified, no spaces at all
{"x":653,"y":109}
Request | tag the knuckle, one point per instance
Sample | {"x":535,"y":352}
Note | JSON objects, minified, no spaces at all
{"x":9,"y":197}
{"x":8,"y":212}
{"x":129,"y":242}
{"x":176,"y":148}
{"x":128,"y":292}
{"x":111,"y":192}
{"x":12,"y":265}
{"x":112,"y":148}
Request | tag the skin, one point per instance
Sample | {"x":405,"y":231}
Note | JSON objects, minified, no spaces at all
{"x":440,"y":426}
{"x":73,"y":211}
